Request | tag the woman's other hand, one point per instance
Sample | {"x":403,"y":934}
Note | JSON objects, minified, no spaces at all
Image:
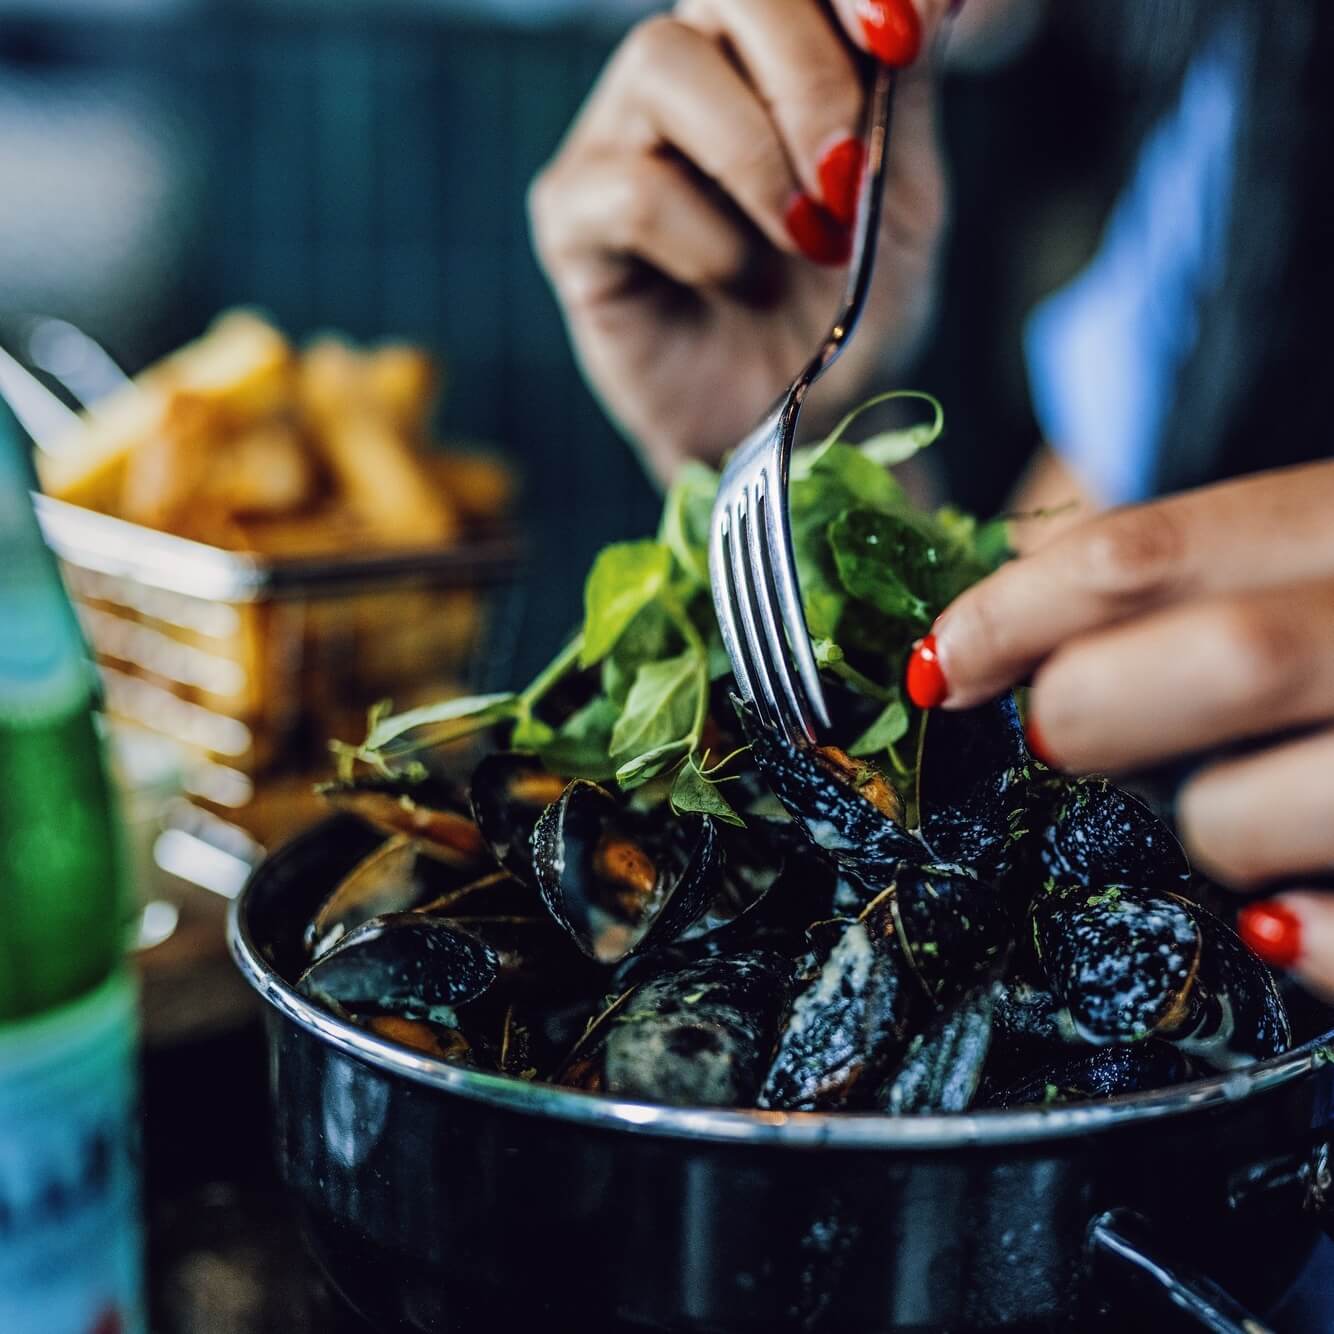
{"x":1176,"y":628}
{"x":695,"y":222}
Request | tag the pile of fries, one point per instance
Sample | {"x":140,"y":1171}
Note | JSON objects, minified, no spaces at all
{"x":241,"y":441}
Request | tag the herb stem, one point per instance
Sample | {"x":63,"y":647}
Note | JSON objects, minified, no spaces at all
{"x":550,"y":675}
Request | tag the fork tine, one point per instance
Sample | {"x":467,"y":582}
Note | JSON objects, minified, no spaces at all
{"x":746,"y":603}
{"x":724,"y":601}
{"x":782,"y":563}
{"x":761,"y":566}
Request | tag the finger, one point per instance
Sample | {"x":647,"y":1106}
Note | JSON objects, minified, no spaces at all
{"x":1294,"y":931}
{"x":896,"y":32}
{"x":1253,"y":533}
{"x":804,"y":75}
{"x":1187,"y":678}
{"x":590,"y":218}
{"x":671,"y":85}
{"x":1266,"y":817}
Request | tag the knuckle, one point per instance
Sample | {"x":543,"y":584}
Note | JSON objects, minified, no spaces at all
{"x":1263,"y":651}
{"x":753,"y":160}
{"x":824,"y":97}
{"x":1134,"y":553}
{"x":637,"y":209}
{"x":650,"y":45}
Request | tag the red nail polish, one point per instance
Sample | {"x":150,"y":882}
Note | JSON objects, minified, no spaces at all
{"x":840,"y":172}
{"x":819,"y":236}
{"x":893,"y":30}
{"x":1272,"y":931}
{"x":1037,"y":744}
{"x":925,"y":678}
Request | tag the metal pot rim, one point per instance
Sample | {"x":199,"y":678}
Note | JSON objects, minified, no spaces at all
{"x":844,"y":1130}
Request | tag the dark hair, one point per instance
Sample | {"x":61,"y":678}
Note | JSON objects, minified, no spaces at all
{"x":1253,"y":394}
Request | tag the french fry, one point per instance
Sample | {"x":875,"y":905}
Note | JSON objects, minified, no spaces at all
{"x":266,"y":470}
{"x":404,"y":383}
{"x":479,"y":485}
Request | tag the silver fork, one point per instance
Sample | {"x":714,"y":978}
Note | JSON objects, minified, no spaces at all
{"x":752,"y":570}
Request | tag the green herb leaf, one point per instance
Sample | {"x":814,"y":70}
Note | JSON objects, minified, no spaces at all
{"x":693,"y":791}
{"x":660,"y":708}
{"x":625,"y":578}
{"x":650,"y":637}
{"x":444,"y":720}
{"x":890,"y":726}
{"x":652,"y":763}
{"x":685,"y":519}
{"x":580,"y":747}
{"x":884,"y":559}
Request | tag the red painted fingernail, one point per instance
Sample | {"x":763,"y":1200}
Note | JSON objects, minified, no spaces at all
{"x":840,"y":173}
{"x":1037,"y":744}
{"x":893,"y":30}
{"x":819,"y":236}
{"x":1273,"y":932}
{"x":925,"y":678}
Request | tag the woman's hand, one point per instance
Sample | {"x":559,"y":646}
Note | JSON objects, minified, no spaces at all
{"x":695,"y":222}
{"x":1174,"y":628}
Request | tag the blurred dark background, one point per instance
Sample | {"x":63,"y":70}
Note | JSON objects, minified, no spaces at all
{"x":362,"y":165}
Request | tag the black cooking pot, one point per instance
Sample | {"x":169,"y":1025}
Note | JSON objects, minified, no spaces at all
{"x":443,"y":1199}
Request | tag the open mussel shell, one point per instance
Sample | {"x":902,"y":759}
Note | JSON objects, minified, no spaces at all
{"x":620,"y":881}
{"x":698,"y":1036}
{"x":1094,"y":833}
{"x":1097,"y":1074}
{"x":384,"y":882}
{"x":428,"y":809}
{"x":848,"y":1026}
{"x":973,"y":783}
{"x":422,"y":1035}
{"x":952,"y":927}
{"x":1237,"y":1013}
{"x":509,"y":791}
{"x":847,"y":807}
{"x":942,"y":1068}
{"x":409,"y":964}
{"x":1122,"y":960}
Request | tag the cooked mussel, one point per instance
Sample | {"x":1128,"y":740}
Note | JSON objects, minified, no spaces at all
{"x":943,"y":1065}
{"x":1093,"y":834}
{"x":409,"y":964}
{"x":431,"y":1039}
{"x":384,"y":882}
{"x":508,"y":793}
{"x":973,"y":785}
{"x":1095,"y":1074}
{"x":847,"y":807}
{"x":1122,"y":960}
{"x":619,"y":880}
{"x":427,"y":808}
{"x":848,"y":1026}
{"x":952,"y":927}
{"x":699,"y":1036}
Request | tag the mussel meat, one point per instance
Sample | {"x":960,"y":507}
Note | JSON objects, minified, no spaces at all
{"x":508,"y":793}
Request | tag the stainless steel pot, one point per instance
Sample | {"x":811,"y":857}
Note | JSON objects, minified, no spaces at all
{"x":443,"y":1199}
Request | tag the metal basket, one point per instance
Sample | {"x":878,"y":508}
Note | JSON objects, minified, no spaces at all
{"x":252,"y":664}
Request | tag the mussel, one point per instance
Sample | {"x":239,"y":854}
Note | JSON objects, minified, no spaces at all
{"x":1096,"y":1074}
{"x":699,"y":1036}
{"x":847,"y":807}
{"x":427,"y":808}
{"x":508,"y":793}
{"x":848,"y":1026}
{"x":973,"y":786}
{"x":618,"y":881}
{"x":942,"y":1068}
{"x":386,"y":881}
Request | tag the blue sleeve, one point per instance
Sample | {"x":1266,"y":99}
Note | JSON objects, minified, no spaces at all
{"x":1104,"y":352}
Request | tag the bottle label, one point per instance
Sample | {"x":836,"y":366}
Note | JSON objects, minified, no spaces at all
{"x":71,"y":1241}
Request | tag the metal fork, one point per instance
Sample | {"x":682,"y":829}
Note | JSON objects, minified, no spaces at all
{"x":752,"y":570}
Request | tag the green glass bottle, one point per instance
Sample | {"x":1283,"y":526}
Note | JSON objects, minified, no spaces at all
{"x":70,"y":1235}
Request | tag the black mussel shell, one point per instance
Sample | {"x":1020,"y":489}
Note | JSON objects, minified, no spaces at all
{"x":847,"y":807}
{"x":428,"y":809}
{"x":1097,"y":1074}
{"x":699,"y":1036}
{"x":952,"y":927}
{"x":1094,"y":833}
{"x":386,"y":881}
{"x":1237,"y":1014}
{"x":617,"y":881}
{"x":848,"y":1026}
{"x":409,"y":964}
{"x":509,"y":792}
{"x":1028,"y":1013}
{"x":973,"y":781}
{"x":1122,"y":960}
{"x":942,"y":1067}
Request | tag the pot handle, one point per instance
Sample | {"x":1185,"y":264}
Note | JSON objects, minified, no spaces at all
{"x":1127,"y":1259}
